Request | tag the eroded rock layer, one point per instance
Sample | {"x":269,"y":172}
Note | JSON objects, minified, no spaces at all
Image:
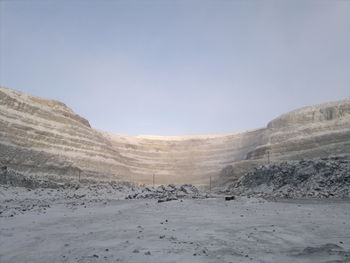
{"x":44,"y":138}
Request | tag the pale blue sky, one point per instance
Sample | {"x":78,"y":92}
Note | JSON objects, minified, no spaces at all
{"x":177,"y":67}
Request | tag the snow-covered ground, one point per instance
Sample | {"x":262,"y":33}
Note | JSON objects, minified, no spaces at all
{"x":46,"y":225}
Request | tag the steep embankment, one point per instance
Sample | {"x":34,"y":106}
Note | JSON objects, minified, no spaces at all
{"x":310,"y":132}
{"x":45,"y":138}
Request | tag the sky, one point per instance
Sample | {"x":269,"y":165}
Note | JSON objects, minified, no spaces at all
{"x":176,"y":67}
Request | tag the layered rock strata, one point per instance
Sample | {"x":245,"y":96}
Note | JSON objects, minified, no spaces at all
{"x":44,"y":138}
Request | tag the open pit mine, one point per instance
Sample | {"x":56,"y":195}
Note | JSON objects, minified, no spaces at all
{"x":72,"y":193}
{"x":45,"y":140}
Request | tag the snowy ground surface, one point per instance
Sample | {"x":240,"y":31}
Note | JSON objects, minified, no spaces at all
{"x":46,"y":225}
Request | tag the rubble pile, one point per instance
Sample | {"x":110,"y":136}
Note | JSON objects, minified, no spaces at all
{"x":20,"y":194}
{"x":19,"y":200}
{"x":317,"y":178}
{"x":14,"y":178}
{"x":166,"y":193}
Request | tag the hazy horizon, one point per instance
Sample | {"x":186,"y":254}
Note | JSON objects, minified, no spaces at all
{"x":174,"y":68}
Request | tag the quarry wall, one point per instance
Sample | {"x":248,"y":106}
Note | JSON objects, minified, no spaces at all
{"x":45,"y":138}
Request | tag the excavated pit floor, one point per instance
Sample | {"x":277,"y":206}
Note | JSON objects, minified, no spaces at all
{"x":189,"y":230}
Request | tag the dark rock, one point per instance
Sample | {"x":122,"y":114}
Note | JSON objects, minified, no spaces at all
{"x":320,"y":178}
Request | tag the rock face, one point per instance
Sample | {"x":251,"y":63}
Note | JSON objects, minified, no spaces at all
{"x":326,"y":177}
{"x":44,"y":138}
